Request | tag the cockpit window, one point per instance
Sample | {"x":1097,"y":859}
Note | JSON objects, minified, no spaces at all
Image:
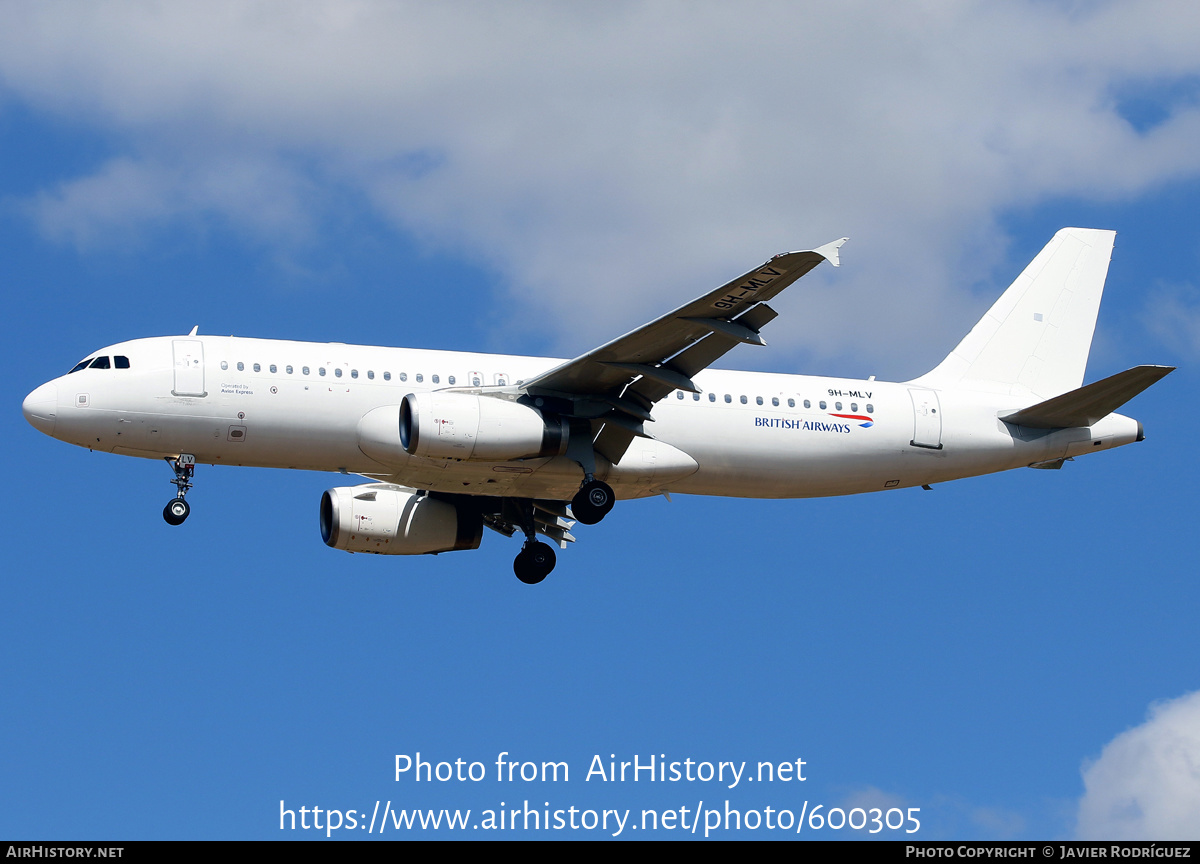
{"x":121,"y":362}
{"x":100,"y":363}
{"x":81,"y":365}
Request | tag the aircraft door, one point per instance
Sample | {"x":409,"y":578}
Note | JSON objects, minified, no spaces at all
{"x":927,"y":419}
{"x":189,"y":367}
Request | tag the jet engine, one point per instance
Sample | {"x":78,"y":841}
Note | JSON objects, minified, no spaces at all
{"x":479,"y":428}
{"x":393,"y":520}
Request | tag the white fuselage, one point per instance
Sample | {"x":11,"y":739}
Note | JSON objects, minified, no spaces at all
{"x":333,"y":407}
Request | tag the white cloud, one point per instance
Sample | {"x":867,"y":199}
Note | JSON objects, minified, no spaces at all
{"x":113,"y":205}
{"x":1173,"y":316}
{"x":1146,"y":783}
{"x":868,"y":799}
{"x":608,"y":160}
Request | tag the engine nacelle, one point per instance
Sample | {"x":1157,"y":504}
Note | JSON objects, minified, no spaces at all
{"x":392,"y":520}
{"x":478,"y":428}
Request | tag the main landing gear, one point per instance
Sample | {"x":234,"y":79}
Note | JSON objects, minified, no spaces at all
{"x":534,"y":562}
{"x":184,"y":467}
{"x":536,"y":559}
{"x":593,"y":501}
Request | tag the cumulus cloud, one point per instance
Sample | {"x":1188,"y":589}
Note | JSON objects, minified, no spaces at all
{"x":1173,"y":316}
{"x":607,"y":160}
{"x":1146,"y":783}
{"x":113,"y":205}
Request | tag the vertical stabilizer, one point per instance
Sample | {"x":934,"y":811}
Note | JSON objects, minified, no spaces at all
{"x":1035,"y":339}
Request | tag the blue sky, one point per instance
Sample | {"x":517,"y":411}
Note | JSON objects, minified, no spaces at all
{"x":537,"y":182}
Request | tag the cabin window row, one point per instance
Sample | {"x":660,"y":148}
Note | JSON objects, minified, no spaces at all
{"x":419,"y":377}
{"x":775,"y":402}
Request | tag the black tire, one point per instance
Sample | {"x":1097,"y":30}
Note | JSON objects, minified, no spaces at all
{"x":592,"y":502}
{"x":176,"y":511}
{"x":534,"y":562}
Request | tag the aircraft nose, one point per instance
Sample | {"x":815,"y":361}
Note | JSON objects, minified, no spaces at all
{"x":40,"y":407}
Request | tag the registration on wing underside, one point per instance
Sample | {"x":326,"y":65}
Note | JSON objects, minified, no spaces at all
{"x":646,"y":364}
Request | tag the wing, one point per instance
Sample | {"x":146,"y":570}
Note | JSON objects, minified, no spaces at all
{"x":616,"y":384}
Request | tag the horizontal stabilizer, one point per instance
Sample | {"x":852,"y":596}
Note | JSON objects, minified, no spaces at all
{"x":1091,"y":403}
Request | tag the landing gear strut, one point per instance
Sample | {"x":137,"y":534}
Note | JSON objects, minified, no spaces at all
{"x":184,"y":467}
{"x":593,"y":501}
{"x":536,"y":559}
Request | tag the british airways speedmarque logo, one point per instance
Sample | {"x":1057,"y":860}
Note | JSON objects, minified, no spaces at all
{"x":866,"y":423}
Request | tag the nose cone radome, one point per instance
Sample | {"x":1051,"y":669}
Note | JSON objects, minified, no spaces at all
{"x":40,"y":407}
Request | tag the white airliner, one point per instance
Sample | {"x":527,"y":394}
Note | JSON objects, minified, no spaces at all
{"x":455,"y":441}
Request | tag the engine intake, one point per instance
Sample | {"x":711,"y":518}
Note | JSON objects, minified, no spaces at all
{"x":478,"y":428}
{"x":392,"y":520}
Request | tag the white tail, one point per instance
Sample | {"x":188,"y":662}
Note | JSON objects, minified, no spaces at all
{"x":1035,"y":339}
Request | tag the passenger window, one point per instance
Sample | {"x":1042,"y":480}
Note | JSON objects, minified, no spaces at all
{"x":712,"y":397}
{"x":451,"y":380}
{"x":436,"y":380}
{"x":775,"y":401}
{"x":743,"y":399}
{"x":403,"y":376}
{"x":288,"y":369}
{"x":321,"y":370}
{"x":728,"y":398}
{"x":370,"y":374}
{"x":853,"y":407}
{"x":100,"y":363}
{"x":257,"y":367}
{"x":121,"y":362}
{"x":807,"y":404}
{"x":241,"y":366}
{"x":420,"y":377}
{"x":337,"y":373}
{"x":792,"y":403}
{"x":81,"y":365}
{"x":837,"y":406}
{"x":224,"y":364}
{"x":822,"y":404}
{"x":870,"y":408}
{"x":758,"y":400}
{"x":695,"y":397}
{"x":678,"y":394}
{"x":305,"y":370}
{"x":387,"y":376}
{"x":274,"y":368}
{"x":353,"y":373}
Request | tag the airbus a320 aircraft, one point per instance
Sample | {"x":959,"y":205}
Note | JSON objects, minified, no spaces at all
{"x":454,"y":442}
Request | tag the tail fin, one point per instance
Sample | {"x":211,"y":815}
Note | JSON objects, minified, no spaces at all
{"x":1035,"y":339}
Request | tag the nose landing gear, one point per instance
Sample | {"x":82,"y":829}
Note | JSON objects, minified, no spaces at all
{"x":184,"y":467}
